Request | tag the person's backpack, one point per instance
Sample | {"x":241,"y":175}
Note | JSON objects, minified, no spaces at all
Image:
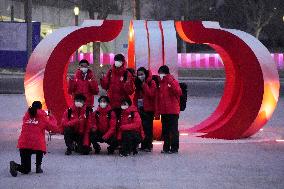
{"x":183,"y":97}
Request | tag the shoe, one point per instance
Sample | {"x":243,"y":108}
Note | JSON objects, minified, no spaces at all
{"x":68,"y":152}
{"x":174,"y":151}
{"x":135,"y":152}
{"x":13,"y":168}
{"x":110,"y":150}
{"x":166,"y":152}
{"x":38,"y":169}
{"x":123,"y":154}
{"x":97,"y":150}
{"x":147,"y":150}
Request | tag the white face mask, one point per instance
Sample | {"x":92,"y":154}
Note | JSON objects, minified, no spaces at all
{"x":124,"y":107}
{"x":103,"y":104}
{"x":117,"y":64}
{"x":162,"y":76}
{"x":79,"y":104}
{"x":141,"y":77}
{"x":84,"y":70}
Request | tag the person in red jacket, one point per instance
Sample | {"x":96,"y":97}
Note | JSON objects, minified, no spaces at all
{"x":32,"y":138}
{"x":75,"y":126}
{"x":118,"y":82}
{"x":130,"y":131}
{"x":84,"y":83}
{"x":144,"y":100}
{"x":167,"y":105}
{"x":103,"y":126}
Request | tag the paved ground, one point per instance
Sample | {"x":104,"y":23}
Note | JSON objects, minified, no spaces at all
{"x":257,"y":162}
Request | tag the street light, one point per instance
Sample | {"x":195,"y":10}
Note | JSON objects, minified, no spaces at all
{"x":76,"y":12}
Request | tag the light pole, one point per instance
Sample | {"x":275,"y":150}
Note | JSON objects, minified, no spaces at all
{"x":28,"y":19}
{"x":12,"y":13}
{"x":76,"y":13}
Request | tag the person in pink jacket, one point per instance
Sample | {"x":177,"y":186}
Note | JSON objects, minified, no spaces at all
{"x":32,"y":138}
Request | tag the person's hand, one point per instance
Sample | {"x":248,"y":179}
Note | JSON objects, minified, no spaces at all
{"x":93,"y":129}
{"x":92,"y":79}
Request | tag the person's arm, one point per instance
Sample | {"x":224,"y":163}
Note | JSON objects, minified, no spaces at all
{"x":149,"y":90}
{"x":134,"y":125}
{"x":112,"y":128}
{"x":92,"y":125}
{"x":51,"y":123}
{"x":94,"y":87}
{"x":68,"y":123}
{"x":175,"y":88}
{"x":157,"y":103}
{"x":128,"y":86}
{"x":105,"y":80}
{"x":72,"y":85}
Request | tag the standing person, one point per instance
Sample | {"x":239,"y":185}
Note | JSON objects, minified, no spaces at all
{"x":84,"y":83}
{"x":103,"y":126}
{"x":75,"y":125}
{"x":130,"y":132}
{"x":118,"y":82}
{"x":32,"y":138}
{"x":144,"y":98}
{"x":168,"y":99}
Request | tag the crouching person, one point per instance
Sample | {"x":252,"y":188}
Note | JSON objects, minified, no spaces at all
{"x":130,"y":131}
{"x":75,"y":125}
{"x":32,"y":138}
{"x":103,"y":126}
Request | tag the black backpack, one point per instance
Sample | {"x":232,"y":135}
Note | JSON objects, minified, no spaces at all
{"x":183,"y":97}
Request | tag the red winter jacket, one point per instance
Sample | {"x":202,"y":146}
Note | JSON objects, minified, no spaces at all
{"x":77,"y":121}
{"x":84,"y":84}
{"x":147,"y":93}
{"x":116,"y":88}
{"x":168,"y":96}
{"x":33,"y":131}
{"x":128,"y":123}
{"x":104,"y":120}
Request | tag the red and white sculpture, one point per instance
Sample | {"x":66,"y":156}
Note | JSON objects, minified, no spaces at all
{"x":252,"y":83}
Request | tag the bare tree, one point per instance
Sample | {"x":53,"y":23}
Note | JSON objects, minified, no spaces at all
{"x":249,"y":15}
{"x":103,"y":8}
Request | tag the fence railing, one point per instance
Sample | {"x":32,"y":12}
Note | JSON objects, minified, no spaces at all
{"x":185,"y":60}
